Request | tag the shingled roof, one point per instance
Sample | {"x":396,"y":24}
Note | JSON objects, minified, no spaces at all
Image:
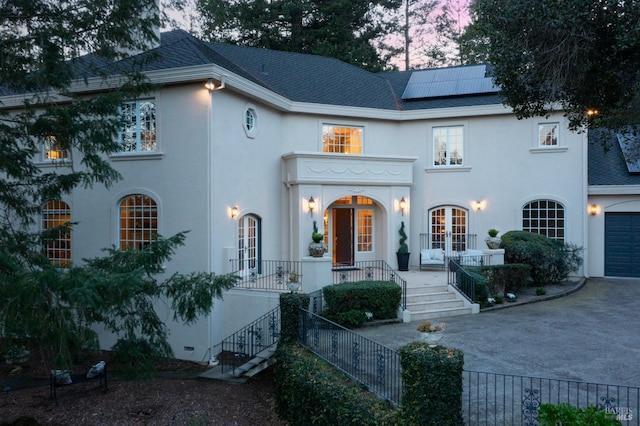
{"x":607,"y":165}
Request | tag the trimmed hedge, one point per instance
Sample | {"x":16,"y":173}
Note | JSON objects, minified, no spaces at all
{"x":432,"y":385}
{"x":310,"y":391}
{"x":567,"y":414}
{"x":348,"y":302}
{"x":289,"y":305}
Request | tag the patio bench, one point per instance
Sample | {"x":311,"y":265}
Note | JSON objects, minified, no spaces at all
{"x":432,"y":258}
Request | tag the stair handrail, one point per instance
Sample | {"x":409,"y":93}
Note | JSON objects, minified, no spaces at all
{"x":243,"y":345}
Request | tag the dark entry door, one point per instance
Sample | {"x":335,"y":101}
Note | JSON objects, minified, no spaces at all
{"x":622,"y":244}
{"x":343,"y":236}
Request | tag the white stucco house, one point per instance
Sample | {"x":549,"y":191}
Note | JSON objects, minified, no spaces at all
{"x":236,"y":141}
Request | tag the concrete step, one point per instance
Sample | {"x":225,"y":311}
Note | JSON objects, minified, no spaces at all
{"x":434,"y":314}
{"x":430,"y":297}
{"x":435,"y":305}
{"x":426,"y":288}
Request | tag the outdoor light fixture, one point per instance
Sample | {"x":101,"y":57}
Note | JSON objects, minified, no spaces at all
{"x":234,"y":212}
{"x":593,"y":209}
{"x":478,"y":205}
{"x":211,"y":85}
{"x":311,"y":204}
{"x":403,"y":205}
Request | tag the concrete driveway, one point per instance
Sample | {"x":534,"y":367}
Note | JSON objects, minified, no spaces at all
{"x":592,"y":335}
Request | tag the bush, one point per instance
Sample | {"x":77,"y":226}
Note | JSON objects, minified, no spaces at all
{"x":507,"y":278}
{"x":290,"y":303}
{"x":567,"y":414}
{"x":347,"y":303}
{"x":310,"y":391}
{"x":550,"y":260}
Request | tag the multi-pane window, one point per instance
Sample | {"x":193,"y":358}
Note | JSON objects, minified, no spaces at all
{"x":365,"y":230}
{"x":344,"y":140}
{"x":250,"y":119}
{"x":138,"y":133}
{"x":138,"y":221}
{"x":52,"y":150}
{"x":548,"y":134}
{"x":56,"y":219}
{"x":448,"y":146}
{"x":544,"y":217}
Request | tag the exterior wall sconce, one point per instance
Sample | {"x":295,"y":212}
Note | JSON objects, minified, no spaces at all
{"x":311,"y":205}
{"x":593,"y":210}
{"x":234,"y":212}
{"x":403,"y":205}
{"x":478,"y":205}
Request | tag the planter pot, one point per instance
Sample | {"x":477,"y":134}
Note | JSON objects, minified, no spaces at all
{"x":293,"y":287}
{"x":317,"y":249}
{"x":493,"y":242}
{"x":403,"y":261}
{"x":433,"y":337}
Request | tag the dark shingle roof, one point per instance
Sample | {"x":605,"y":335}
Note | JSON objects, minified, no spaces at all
{"x":607,"y":164}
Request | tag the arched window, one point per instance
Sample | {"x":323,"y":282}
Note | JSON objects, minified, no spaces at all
{"x":138,"y":221}
{"x":545,"y":217}
{"x":56,"y":218}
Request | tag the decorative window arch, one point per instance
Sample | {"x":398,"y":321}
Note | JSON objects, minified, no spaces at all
{"x":545,"y":217}
{"x":138,"y":215}
{"x":56,"y":218}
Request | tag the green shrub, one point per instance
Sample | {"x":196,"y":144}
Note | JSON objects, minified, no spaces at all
{"x":550,"y":260}
{"x":349,"y":301}
{"x":310,"y":391}
{"x":540,"y":291}
{"x":507,"y":278}
{"x":432,"y":385}
{"x":289,"y":306}
{"x":567,"y":414}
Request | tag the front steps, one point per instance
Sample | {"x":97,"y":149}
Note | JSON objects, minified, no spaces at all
{"x":431,"y":301}
{"x":240,"y":374}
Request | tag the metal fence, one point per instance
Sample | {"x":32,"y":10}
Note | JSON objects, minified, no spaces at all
{"x":246,"y":343}
{"x":462,"y":280}
{"x":500,"y":399}
{"x":279,"y":275}
{"x":448,"y":241}
{"x":365,"y":361}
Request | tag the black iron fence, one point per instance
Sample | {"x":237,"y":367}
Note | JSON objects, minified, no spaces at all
{"x":461,"y":279}
{"x":365,"y":361}
{"x":246,"y":343}
{"x":279,"y":275}
{"x":500,"y":399}
{"x":375,"y":270}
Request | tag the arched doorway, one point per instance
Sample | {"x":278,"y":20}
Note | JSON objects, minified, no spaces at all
{"x":248,"y":243}
{"x":351,"y":224}
{"x":448,"y":229}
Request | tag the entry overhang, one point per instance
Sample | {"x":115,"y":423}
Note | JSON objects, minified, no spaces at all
{"x":346,"y":169}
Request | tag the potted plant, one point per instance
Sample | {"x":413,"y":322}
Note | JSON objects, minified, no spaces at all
{"x":403,"y":251}
{"x":432,"y":333}
{"x":493,"y":241}
{"x":294,"y":281}
{"x":317,"y":247}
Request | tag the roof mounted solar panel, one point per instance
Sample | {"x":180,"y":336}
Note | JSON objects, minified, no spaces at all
{"x":443,"y":82}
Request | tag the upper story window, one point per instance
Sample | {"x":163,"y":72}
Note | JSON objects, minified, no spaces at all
{"x":344,"y":140}
{"x":544,"y":217}
{"x":52,"y":150}
{"x":138,"y":133}
{"x":250,"y":121}
{"x":548,"y":134}
{"x":56,"y":219}
{"x":448,"y":146}
{"x":138,"y":221}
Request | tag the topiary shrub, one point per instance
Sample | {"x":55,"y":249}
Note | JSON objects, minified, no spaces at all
{"x":290,"y":303}
{"x":550,"y":260}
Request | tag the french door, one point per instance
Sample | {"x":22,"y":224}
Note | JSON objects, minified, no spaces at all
{"x":448,"y":229}
{"x":248,"y":243}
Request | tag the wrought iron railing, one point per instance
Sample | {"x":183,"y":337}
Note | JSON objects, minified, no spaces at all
{"x":246,"y":343}
{"x":448,"y":241}
{"x":375,"y":270}
{"x":461,"y":279}
{"x":365,"y":361}
{"x":501,"y":399}
{"x":268,"y":274}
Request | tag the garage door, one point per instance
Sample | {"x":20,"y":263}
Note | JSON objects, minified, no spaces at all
{"x":622,"y":245}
